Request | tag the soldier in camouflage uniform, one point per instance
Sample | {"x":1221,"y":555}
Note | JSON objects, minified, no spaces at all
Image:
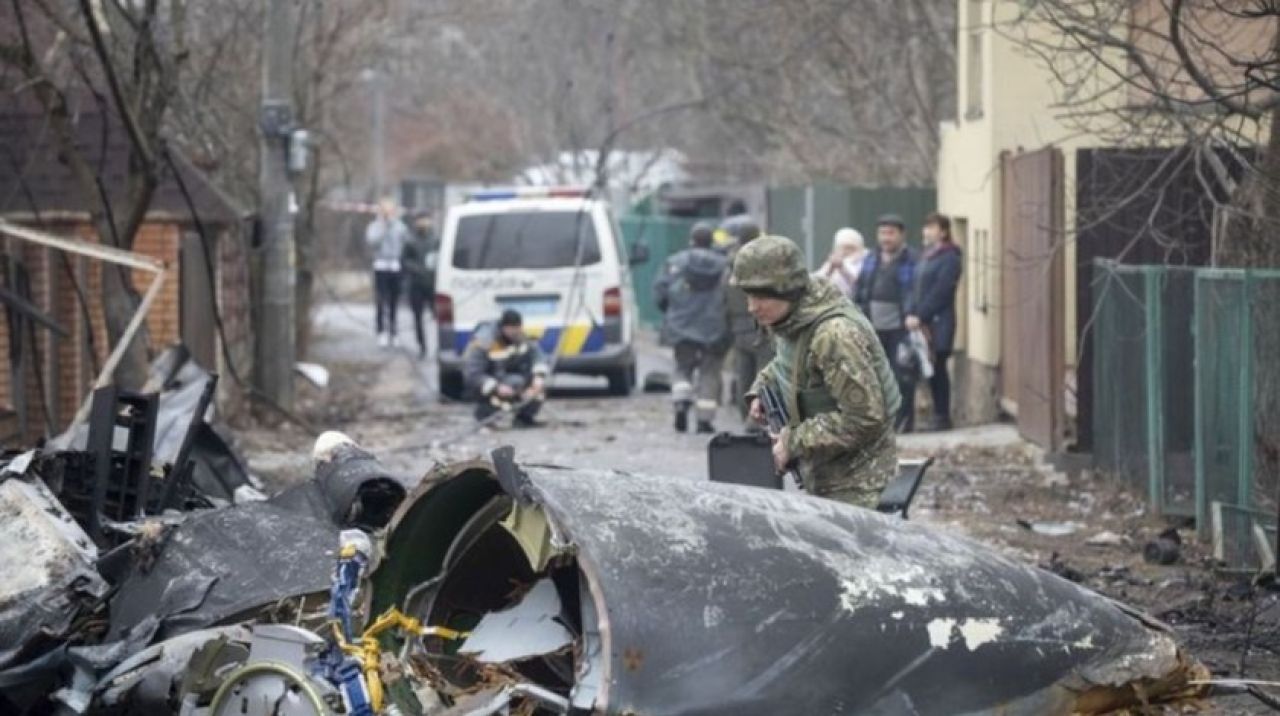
{"x":830,"y":370}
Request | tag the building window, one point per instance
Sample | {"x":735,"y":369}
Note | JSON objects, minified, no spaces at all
{"x":973,"y":80}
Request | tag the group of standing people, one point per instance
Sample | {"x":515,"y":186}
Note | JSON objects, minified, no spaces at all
{"x":403,"y":258}
{"x":844,"y":346}
{"x":907,"y":296}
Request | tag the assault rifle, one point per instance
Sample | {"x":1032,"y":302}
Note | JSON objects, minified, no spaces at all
{"x":775,"y":412}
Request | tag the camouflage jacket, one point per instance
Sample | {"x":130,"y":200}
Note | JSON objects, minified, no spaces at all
{"x":840,"y":394}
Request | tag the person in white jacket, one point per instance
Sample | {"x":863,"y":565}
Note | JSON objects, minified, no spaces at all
{"x":842,"y":267}
{"x":386,"y":236}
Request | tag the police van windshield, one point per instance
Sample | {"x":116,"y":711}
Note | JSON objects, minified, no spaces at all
{"x":531,"y":240}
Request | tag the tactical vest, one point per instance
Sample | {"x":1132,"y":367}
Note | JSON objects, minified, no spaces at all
{"x":805,"y":403}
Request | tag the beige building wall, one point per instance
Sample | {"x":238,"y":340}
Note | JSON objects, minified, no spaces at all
{"x":1019,"y":110}
{"x":1008,"y":100}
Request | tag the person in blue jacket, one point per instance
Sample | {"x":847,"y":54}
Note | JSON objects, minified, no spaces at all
{"x":883,"y":292}
{"x":932,"y":307}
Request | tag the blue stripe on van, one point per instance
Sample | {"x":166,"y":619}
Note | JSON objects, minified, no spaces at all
{"x":595,"y":341}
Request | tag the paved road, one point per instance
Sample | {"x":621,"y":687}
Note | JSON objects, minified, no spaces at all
{"x":409,"y":427}
{"x":402,"y":419}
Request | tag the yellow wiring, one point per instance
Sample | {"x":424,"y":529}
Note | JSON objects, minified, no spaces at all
{"x":369,"y":651}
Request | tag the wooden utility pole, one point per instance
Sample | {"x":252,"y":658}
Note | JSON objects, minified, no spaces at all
{"x":377,"y":82}
{"x":274,"y":354}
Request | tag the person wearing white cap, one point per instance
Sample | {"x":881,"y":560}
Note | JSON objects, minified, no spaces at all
{"x":848,"y":249}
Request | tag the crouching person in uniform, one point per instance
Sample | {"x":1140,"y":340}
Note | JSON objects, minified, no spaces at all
{"x":830,"y":371}
{"x":506,"y":371}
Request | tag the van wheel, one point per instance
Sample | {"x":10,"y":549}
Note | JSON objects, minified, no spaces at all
{"x":450,"y":384}
{"x":622,"y":380}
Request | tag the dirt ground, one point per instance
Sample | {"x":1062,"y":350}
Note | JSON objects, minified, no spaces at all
{"x":992,"y":494}
{"x":985,"y":483}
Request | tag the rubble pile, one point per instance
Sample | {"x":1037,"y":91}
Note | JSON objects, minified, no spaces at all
{"x":492,"y":587}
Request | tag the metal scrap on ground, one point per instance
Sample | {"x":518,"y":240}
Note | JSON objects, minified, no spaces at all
{"x":494,"y":587}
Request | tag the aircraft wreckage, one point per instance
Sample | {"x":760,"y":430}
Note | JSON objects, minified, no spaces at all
{"x":494,"y":587}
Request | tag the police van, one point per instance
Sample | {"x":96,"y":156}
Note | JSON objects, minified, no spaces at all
{"x":556,"y":256}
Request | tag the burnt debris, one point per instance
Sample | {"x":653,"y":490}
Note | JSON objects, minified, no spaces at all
{"x":495,"y":587}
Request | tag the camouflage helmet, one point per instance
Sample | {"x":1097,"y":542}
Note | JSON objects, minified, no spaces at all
{"x":770,"y":264}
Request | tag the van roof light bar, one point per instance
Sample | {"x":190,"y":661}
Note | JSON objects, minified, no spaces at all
{"x":530,"y":192}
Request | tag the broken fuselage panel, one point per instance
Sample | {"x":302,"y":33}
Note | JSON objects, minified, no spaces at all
{"x":627,"y":594}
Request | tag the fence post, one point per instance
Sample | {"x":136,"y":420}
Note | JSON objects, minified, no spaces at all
{"x":1153,"y":344}
{"x":1198,"y":367}
{"x":1103,"y":408}
{"x":1245,"y":415}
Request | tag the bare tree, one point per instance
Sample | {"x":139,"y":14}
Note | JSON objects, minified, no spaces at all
{"x":127,"y":59}
{"x":828,"y":89}
{"x":215,"y":116}
{"x":1196,"y":75}
{"x":746,"y":89}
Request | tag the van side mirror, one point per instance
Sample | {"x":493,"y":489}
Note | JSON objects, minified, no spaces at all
{"x":639,"y":253}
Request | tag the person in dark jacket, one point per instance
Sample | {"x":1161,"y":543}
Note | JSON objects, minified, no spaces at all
{"x":418,"y":274}
{"x":752,"y":346}
{"x":933,"y":308}
{"x":505,"y":370}
{"x":690,"y":293}
{"x":883,"y":291}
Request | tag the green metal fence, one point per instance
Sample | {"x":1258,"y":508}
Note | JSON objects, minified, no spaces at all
{"x":1120,"y":322}
{"x":836,"y":206}
{"x":1187,"y":387}
{"x":1237,"y":387}
{"x":664,"y":236}
{"x":833,"y":207}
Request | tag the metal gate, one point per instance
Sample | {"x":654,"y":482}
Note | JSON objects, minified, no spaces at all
{"x":1143,"y":207}
{"x":1032,"y":315}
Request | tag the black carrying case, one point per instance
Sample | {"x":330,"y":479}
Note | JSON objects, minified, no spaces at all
{"x":748,"y":460}
{"x":742,"y":460}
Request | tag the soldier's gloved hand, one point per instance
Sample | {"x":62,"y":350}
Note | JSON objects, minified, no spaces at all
{"x":756,"y":411}
{"x":781,"y":455}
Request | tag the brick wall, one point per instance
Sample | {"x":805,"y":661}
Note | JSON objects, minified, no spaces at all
{"x":68,"y":366}
{"x":161,"y":241}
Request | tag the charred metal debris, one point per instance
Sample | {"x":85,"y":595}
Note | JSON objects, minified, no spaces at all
{"x":497,"y":588}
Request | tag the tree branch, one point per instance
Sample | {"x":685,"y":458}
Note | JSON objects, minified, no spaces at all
{"x":123,"y":108}
{"x":1198,"y":76}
